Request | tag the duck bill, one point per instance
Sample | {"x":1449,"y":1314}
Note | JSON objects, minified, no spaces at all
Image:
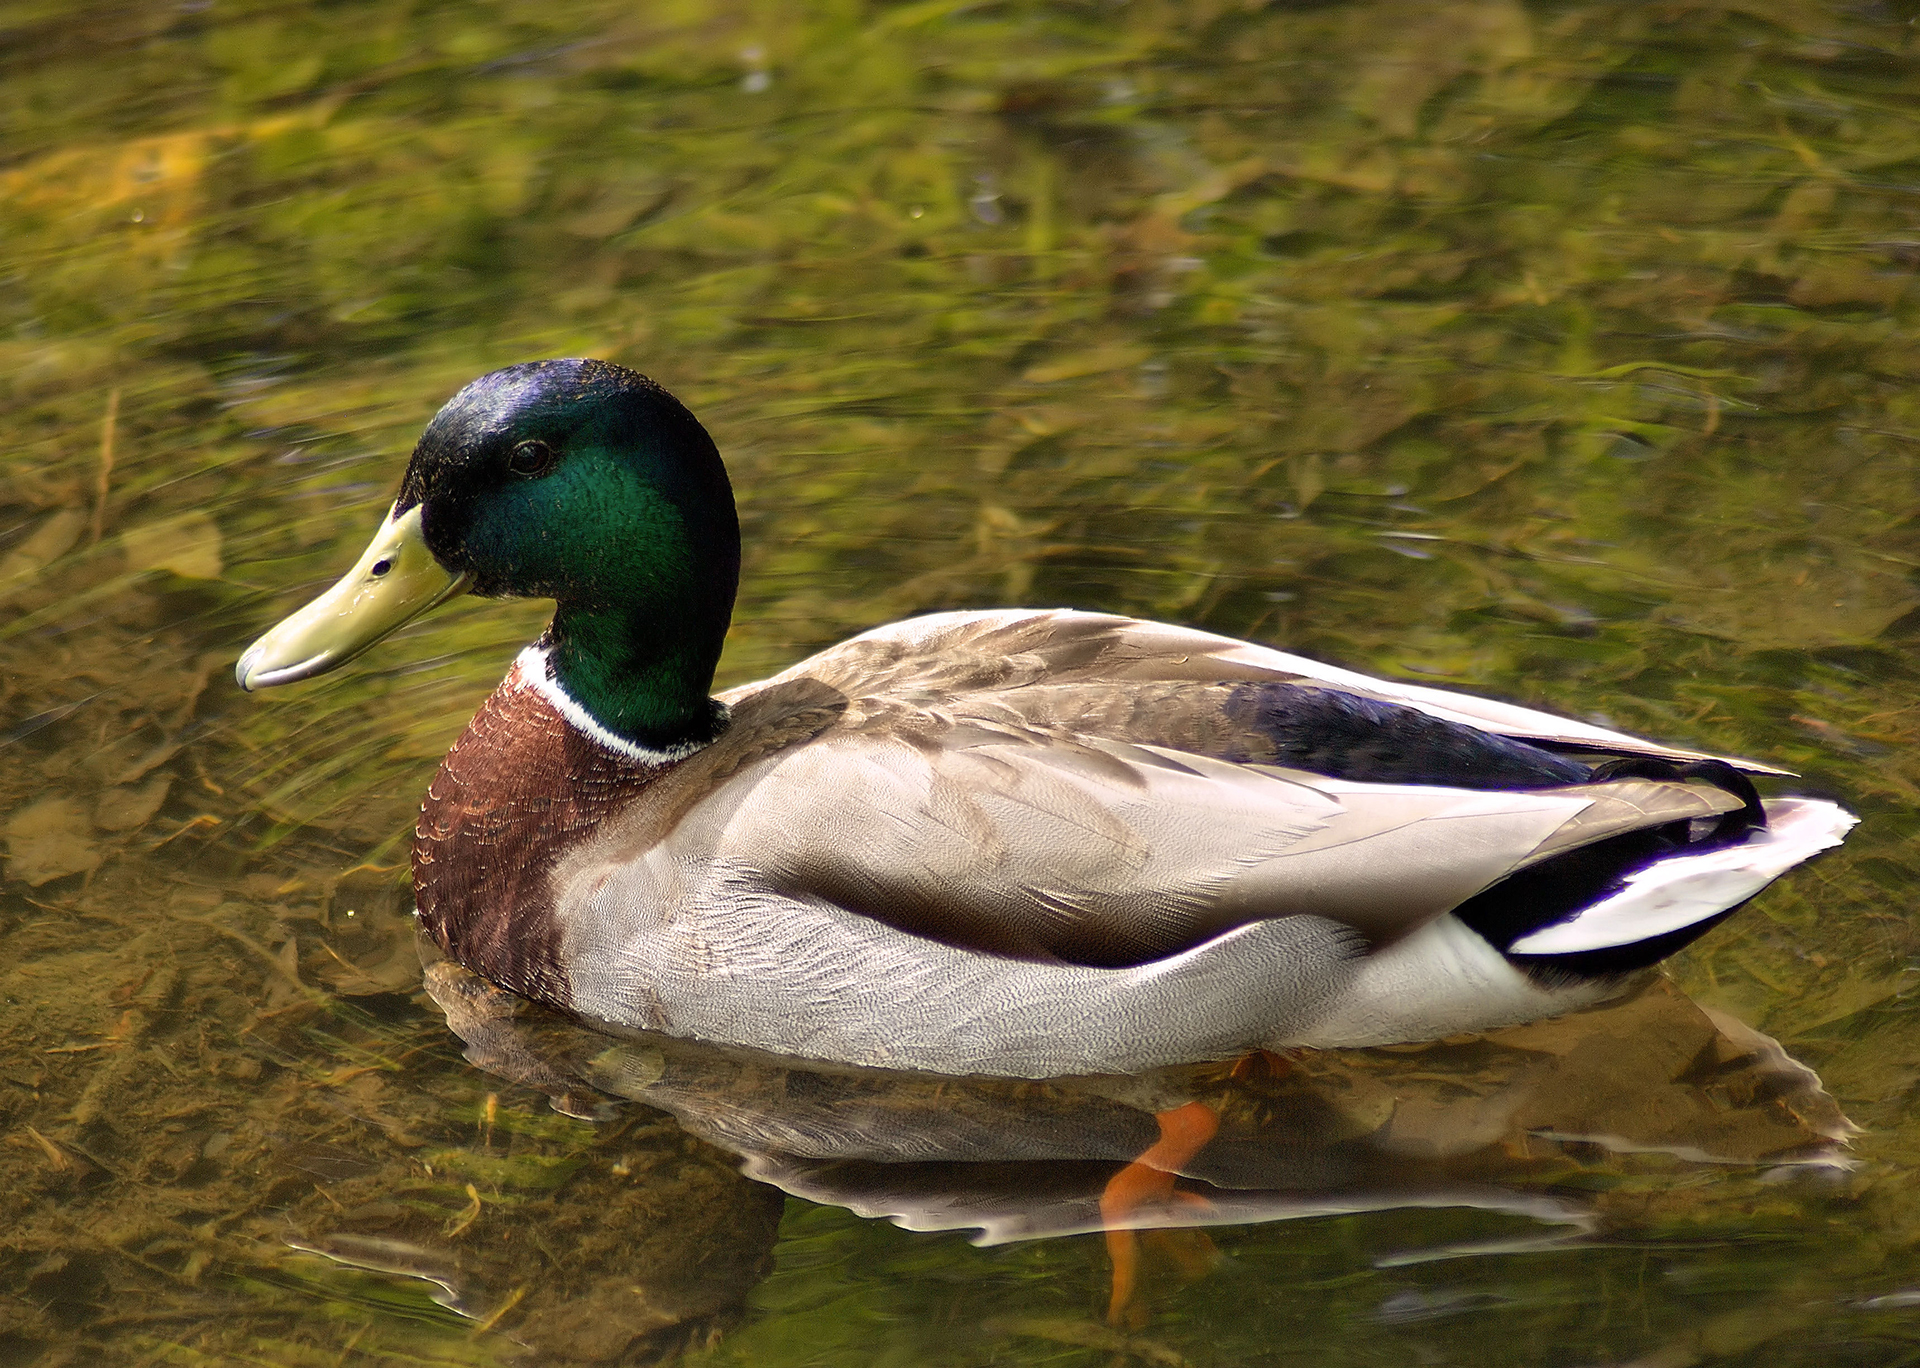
{"x":394,"y":581}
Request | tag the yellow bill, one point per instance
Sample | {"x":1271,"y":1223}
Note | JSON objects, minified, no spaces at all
{"x":394,"y":581}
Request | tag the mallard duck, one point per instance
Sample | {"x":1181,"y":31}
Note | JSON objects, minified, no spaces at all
{"x":1023,"y":842}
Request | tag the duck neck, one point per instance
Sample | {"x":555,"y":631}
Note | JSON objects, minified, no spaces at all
{"x":640,"y":687}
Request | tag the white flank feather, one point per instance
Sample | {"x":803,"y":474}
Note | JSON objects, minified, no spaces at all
{"x":1440,"y":981}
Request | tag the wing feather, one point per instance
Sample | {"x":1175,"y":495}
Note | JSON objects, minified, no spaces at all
{"x":1006,"y":650}
{"x":1039,"y":784}
{"x":1047,"y":845}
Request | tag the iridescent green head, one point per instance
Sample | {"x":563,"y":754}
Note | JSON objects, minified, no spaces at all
{"x":577,"y":480}
{"x":580,"y":481}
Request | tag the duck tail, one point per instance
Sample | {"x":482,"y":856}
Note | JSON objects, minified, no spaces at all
{"x":1731,"y":826}
{"x":1655,"y":909}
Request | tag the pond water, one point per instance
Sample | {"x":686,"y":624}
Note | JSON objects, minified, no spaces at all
{"x":1564,"y":352}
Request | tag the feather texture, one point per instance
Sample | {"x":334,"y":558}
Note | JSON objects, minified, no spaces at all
{"x":1030,"y":843}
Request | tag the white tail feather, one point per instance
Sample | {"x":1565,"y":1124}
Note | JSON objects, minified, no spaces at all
{"x":1685,"y":889}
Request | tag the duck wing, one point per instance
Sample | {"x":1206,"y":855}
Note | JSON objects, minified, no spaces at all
{"x":831,"y":897}
{"x":1096,"y":804}
{"x":963,"y":821}
{"x":1173,"y":846}
{"x":1097,"y":672}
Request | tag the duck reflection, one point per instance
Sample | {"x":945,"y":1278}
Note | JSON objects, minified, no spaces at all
{"x":628,"y":1247}
{"x":1494,"y":1122}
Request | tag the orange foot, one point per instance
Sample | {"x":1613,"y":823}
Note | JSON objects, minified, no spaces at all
{"x":1148,"y":1180}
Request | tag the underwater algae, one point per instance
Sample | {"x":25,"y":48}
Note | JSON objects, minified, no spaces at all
{"x":1559,"y":351}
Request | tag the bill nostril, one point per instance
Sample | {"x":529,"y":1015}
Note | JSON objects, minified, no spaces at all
{"x":380,"y":567}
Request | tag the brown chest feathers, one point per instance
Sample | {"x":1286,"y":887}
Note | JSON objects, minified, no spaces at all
{"x":517,"y":790}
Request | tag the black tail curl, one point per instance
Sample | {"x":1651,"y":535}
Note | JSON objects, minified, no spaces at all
{"x":1729,"y":827}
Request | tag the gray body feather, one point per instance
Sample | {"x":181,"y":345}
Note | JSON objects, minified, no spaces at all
{"x":998,"y":843}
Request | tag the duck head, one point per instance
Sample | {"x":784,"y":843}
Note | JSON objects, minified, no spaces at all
{"x":575,"y":480}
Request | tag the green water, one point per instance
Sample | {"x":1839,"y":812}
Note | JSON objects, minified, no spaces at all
{"x":1565,"y":352}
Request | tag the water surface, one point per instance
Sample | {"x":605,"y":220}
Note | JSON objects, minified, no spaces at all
{"x":1564,"y":352}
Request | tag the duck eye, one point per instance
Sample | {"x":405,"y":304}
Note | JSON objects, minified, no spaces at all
{"x":530,"y":458}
